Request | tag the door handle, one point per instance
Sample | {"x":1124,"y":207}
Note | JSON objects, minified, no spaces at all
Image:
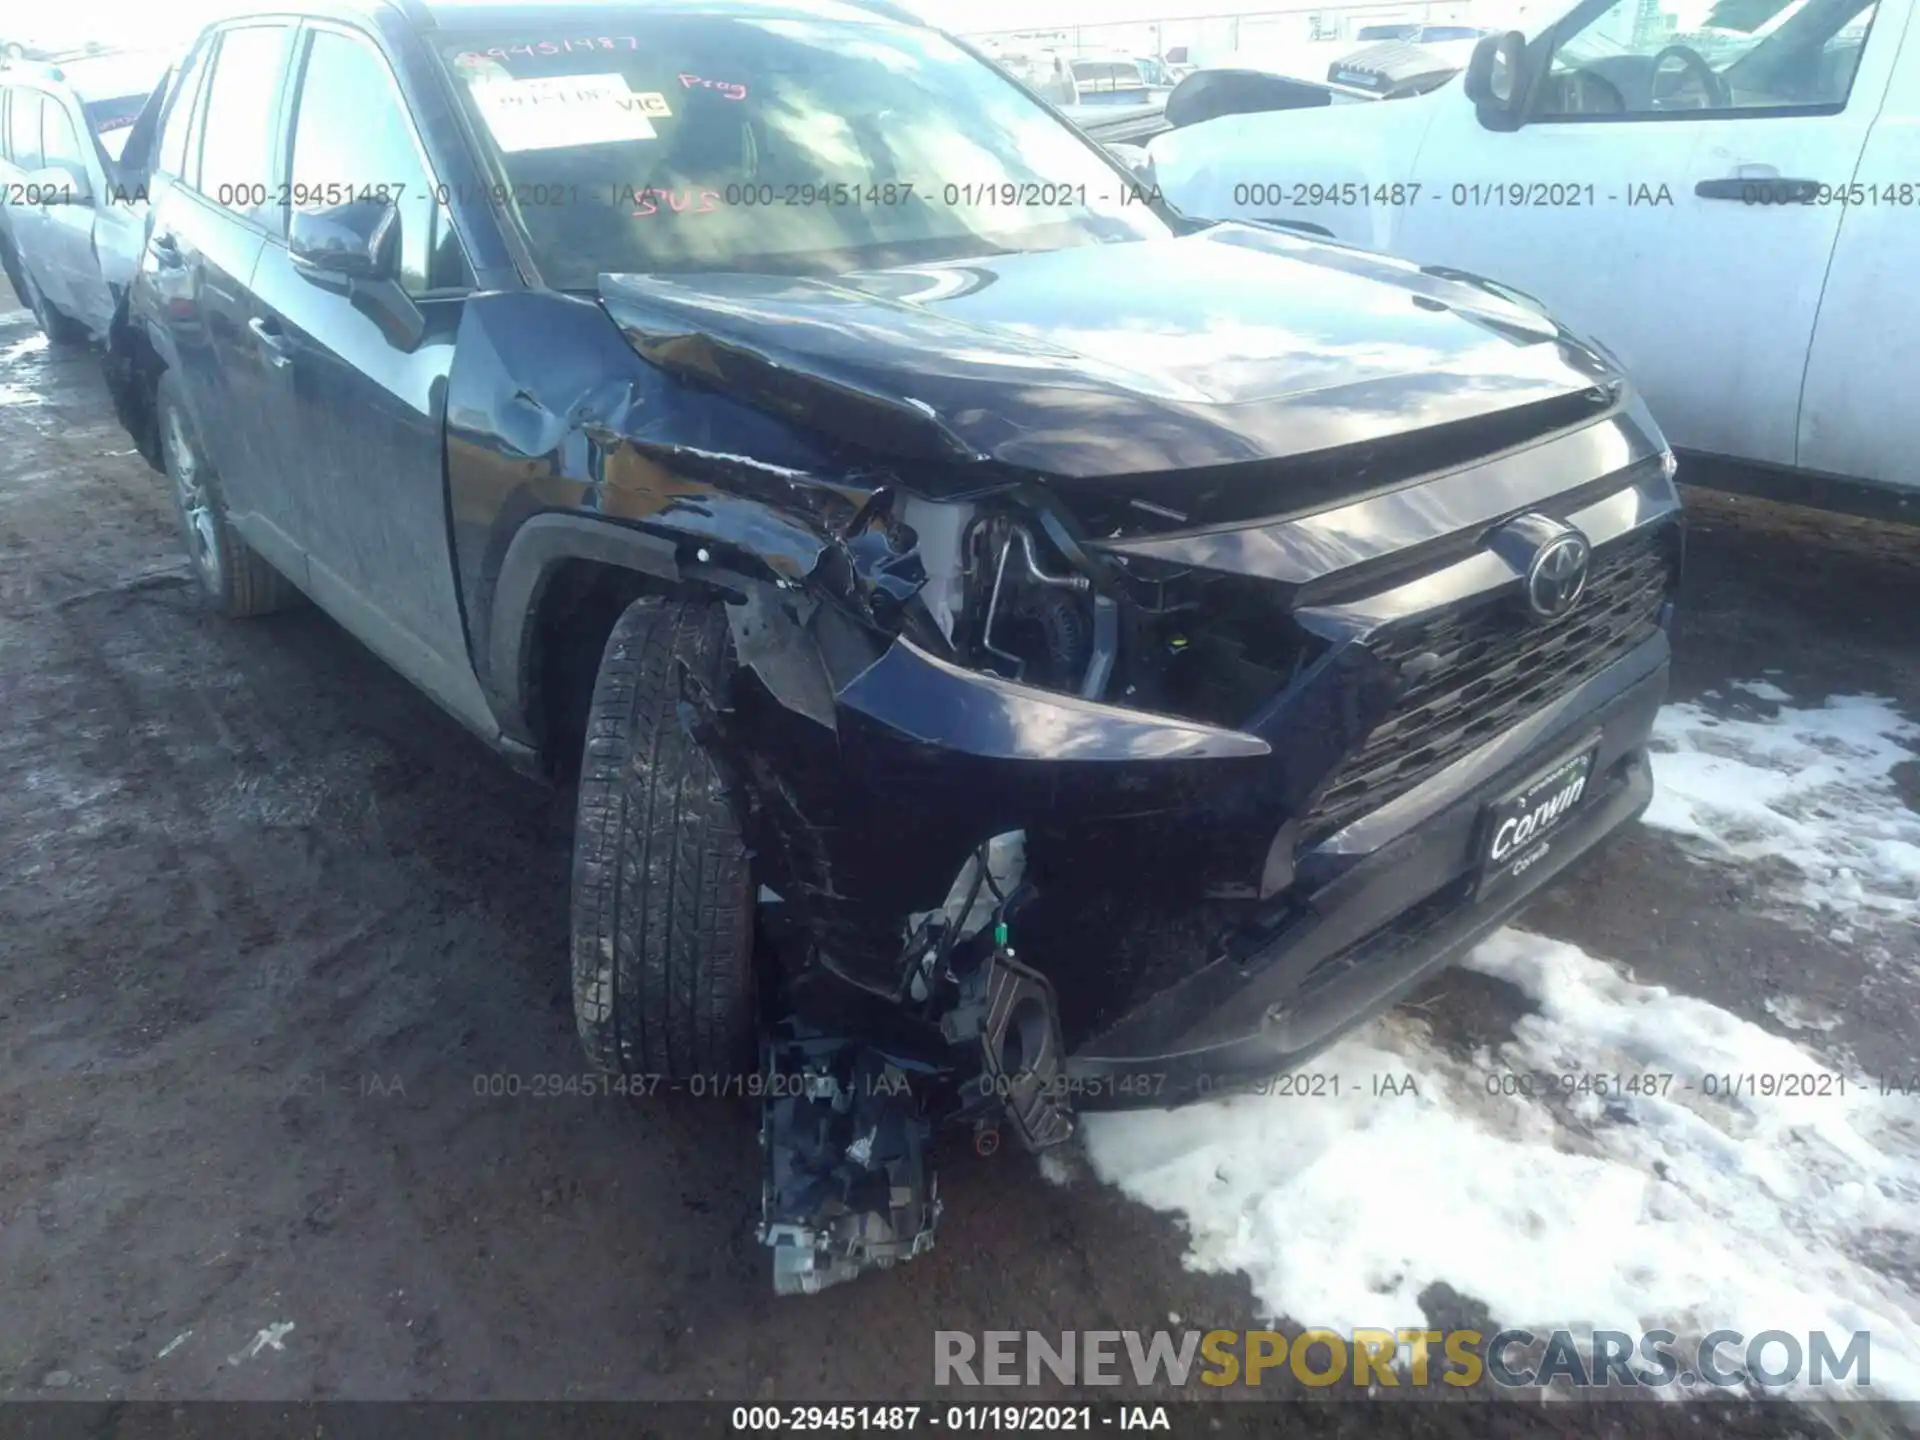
{"x":273,"y":340}
{"x":1759,"y":190}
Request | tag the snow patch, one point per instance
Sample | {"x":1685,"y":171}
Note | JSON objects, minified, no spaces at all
{"x":271,"y":1338}
{"x":1694,"y":1205}
{"x":19,"y":350}
{"x":1811,"y":787}
{"x":1054,"y":1168}
{"x":1798,"y":1014}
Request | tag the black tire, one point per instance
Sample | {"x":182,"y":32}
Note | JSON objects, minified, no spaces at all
{"x":58,"y":327}
{"x":232,"y":576}
{"x":663,"y":903}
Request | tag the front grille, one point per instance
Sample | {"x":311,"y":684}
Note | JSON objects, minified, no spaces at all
{"x":1496,"y":668}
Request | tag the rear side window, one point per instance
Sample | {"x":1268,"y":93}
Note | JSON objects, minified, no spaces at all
{"x":112,"y":121}
{"x":1749,"y":59}
{"x":353,"y":137}
{"x":179,"y":135}
{"x":236,"y":149}
{"x":26,"y":129}
{"x":58,"y":141}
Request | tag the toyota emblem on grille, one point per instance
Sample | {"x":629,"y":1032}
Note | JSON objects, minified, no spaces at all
{"x":1557,"y":575}
{"x":1549,"y":557}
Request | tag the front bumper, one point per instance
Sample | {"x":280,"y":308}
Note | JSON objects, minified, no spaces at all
{"x":1408,"y":908}
{"x":1299,"y":890}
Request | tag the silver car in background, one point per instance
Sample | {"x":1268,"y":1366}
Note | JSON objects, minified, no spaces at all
{"x":72,"y":221}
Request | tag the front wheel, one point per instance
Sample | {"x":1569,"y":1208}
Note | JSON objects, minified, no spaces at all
{"x":662,"y":900}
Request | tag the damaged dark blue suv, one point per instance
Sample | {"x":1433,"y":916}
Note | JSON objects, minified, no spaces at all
{"x":1020,"y":650}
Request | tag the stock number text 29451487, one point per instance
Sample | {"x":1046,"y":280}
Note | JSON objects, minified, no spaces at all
{"x":1314,"y":192}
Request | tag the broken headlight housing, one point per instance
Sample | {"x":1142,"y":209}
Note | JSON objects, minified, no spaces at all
{"x":1012,"y":593}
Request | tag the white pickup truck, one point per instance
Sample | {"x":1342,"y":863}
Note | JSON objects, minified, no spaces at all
{"x":1725,"y":193}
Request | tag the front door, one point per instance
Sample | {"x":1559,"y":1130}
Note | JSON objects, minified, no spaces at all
{"x":358,"y":409}
{"x":27,"y":222}
{"x":68,"y":228}
{"x":1639,"y":198}
{"x":1857,"y":415}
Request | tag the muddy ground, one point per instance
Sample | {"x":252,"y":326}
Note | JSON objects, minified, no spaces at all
{"x":269,"y":921}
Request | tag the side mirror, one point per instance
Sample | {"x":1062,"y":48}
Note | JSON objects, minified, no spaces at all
{"x":354,"y":250}
{"x":58,"y":185}
{"x":1493,"y":74}
{"x":355,"y":241}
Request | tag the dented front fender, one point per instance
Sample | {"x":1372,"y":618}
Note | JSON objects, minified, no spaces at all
{"x":563,"y":444}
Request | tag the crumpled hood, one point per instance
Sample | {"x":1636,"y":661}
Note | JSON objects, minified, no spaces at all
{"x":1236,"y":343}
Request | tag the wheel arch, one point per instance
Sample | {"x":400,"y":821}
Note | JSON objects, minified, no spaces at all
{"x":133,"y":365}
{"x":563,"y":584}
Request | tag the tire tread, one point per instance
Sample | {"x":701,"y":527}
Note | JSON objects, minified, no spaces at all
{"x":662,"y":910}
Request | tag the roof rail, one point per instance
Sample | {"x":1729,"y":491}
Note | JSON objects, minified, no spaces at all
{"x":890,"y":10}
{"x":418,"y":13}
{"x":45,"y":69}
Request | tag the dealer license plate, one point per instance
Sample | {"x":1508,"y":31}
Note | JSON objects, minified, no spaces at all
{"x":1520,"y":826}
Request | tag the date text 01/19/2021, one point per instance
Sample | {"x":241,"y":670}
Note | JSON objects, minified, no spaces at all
{"x":1499,"y":194}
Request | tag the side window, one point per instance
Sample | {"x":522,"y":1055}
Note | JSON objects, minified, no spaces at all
{"x":1667,"y":59}
{"x":26,"y":129}
{"x":236,"y":152}
{"x":58,"y":142}
{"x":178,"y":129}
{"x":353,"y":136}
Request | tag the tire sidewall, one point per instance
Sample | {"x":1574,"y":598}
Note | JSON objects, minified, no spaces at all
{"x":37,"y":303}
{"x":213,"y":576}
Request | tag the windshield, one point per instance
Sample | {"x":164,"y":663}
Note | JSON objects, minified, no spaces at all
{"x":708,"y":142}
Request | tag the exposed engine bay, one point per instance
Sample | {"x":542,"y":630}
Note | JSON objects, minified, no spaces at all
{"x":1001,"y":589}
